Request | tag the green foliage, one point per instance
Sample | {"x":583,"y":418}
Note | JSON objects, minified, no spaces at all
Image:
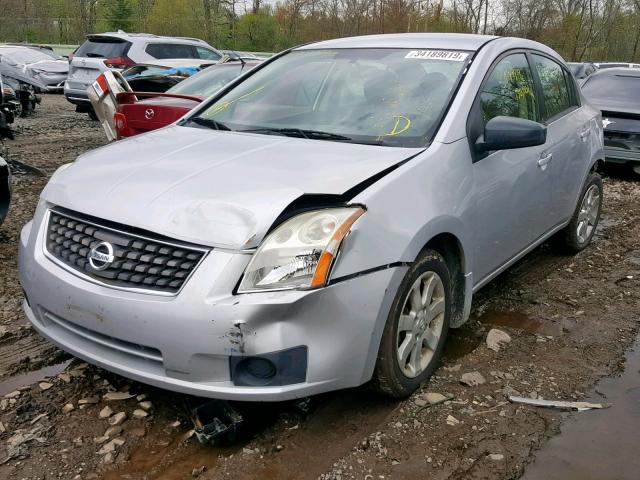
{"x":577,"y":29}
{"x":119,"y":15}
{"x":256,"y":31}
{"x":176,"y":18}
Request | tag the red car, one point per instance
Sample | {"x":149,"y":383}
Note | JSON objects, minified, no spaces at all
{"x":139,"y":112}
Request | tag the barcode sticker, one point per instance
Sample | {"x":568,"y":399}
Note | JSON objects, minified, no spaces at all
{"x":448,"y":55}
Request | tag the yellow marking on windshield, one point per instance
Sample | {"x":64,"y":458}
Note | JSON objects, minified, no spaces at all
{"x":402,"y":125}
{"x":219,"y":107}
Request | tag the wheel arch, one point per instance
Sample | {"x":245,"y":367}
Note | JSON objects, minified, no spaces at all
{"x":450,"y":247}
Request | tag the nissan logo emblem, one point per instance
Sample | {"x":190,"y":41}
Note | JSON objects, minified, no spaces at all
{"x":149,"y":113}
{"x":101,"y":256}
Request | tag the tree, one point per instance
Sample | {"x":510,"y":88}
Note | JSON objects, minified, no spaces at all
{"x":120,"y":15}
{"x":256,"y":31}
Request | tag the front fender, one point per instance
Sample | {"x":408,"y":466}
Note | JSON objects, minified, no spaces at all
{"x":429,"y":195}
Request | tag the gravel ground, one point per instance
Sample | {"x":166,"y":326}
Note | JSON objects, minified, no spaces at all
{"x":569,"y":319}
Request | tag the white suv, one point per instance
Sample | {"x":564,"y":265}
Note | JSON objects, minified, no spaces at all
{"x":120,"y":50}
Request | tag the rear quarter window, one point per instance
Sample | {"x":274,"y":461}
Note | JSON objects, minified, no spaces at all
{"x":207,"y":54}
{"x":107,"y":47}
{"x":556,"y":87}
{"x":171,"y":50}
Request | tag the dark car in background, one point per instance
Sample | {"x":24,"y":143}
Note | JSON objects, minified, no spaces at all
{"x":9,"y":104}
{"x":582,"y":70}
{"x":142,"y":112}
{"x":5,"y":189}
{"x":616,"y":92}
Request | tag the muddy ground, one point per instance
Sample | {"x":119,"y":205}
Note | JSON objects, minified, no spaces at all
{"x":570,"y":320}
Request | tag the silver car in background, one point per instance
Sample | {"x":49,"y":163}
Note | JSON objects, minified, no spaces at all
{"x":120,"y":50}
{"x":319,"y":223}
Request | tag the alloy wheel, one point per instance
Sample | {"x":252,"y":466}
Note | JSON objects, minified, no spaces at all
{"x":420,"y":324}
{"x":588,"y":216}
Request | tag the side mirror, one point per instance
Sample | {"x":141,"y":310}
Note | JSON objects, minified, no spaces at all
{"x":502,"y":133}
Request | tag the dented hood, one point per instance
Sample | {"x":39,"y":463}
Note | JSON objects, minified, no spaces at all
{"x":212,"y":188}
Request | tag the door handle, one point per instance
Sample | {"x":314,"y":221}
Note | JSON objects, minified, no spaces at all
{"x":543,"y":161}
{"x":584,"y":133}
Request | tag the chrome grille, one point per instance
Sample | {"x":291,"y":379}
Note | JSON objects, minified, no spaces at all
{"x":142,"y":260}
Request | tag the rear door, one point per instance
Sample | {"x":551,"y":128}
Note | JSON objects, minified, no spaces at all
{"x":511,"y":187}
{"x":568,"y":130}
{"x":89,"y":60}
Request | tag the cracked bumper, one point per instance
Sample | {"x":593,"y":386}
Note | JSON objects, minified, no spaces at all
{"x":184,"y":343}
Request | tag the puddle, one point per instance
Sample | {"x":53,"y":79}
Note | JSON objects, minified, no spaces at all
{"x":461,"y":342}
{"x":18,"y":381}
{"x":520,"y":320}
{"x":598,"y":444}
{"x":168,"y":460}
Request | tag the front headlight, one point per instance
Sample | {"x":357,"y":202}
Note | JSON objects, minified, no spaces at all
{"x":300,"y":252}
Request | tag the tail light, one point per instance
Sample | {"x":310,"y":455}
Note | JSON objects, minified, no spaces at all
{"x":119,"y":62}
{"x":100,"y":85}
{"x":120,"y":121}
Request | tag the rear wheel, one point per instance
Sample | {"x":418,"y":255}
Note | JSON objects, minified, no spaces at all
{"x":578,"y":234}
{"x":416,"y":329}
{"x":636,"y":168}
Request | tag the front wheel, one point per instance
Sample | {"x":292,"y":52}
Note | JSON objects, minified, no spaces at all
{"x":416,"y":329}
{"x":578,"y":234}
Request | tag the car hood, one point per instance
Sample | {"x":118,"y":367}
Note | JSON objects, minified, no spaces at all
{"x":213,"y":188}
{"x":49,"y":66}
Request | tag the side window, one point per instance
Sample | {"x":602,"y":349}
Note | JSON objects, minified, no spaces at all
{"x":509,"y":90}
{"x":170,"y":50}
{"x":555,"y":88}
{"x":206,"y":54}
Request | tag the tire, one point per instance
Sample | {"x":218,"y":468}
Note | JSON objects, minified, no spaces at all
{"x":398,"y":378}
{"x":27,"y":108}
{"x":570,"y":238}
{"x":636,"y":168}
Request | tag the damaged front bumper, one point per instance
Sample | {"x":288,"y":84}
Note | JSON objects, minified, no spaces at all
{"x":206,"y":341}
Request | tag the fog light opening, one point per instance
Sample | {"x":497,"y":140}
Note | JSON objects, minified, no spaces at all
{"x":256,"y":371}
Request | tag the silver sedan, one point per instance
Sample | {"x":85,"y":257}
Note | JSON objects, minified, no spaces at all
{"x":319,"y":223}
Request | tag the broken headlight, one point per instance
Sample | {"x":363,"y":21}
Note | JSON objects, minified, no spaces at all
{"x":300,"y":252}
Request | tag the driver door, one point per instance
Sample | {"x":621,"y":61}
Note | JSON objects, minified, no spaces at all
{"x":512,"y":188}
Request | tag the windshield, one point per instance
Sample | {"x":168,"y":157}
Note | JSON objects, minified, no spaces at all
{"x":624,"y":88}
{"x":103,"y":47}
{"x":392,"y":97}
{"x":209,"y":81}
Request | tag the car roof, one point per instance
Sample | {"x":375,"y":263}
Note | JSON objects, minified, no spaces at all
{"x":618,"y":71}
{"x":454,"y":41}
{"x":147,"y":36}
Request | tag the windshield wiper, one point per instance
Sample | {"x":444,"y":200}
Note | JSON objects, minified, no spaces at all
{"x":94,"y":55}
{"x":209,"y":123}
{"x":300,"y":132}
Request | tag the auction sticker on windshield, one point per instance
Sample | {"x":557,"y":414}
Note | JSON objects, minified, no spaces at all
{"x":449,"y":55}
